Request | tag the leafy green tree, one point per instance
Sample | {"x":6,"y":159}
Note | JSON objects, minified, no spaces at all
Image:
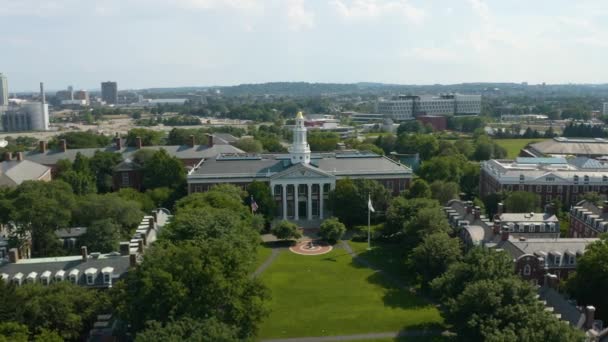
{"x":80,"y":140}
{"x":62,"y":166}
{"x":63,"y":307}
{"x":148,"y":137}
{"x":479,"y":263}
{"x":187,"y":329}
{"x":444,"y":191}
{"x":492,"y":310}
{"x":426,"y":145}
{"x":46,"y":335}
{"x":412,"y":126}
{"x":332,"y":229}
{"x":102,"y":167}
{"x":323,"y":141}
{"x":286,"y":230}
{"x":349,"y":199}
{"x":522,"y":202}
{"x":446,"y":168}
{"x":161,"y":197}
{"x":432,"y":257}
{"x":198,"y":279}
{"x":592,"y":275}
{"x":13,"y":332}
{"x":464,"y":147}
{"x":124,"y":213}
{"x":401,"y":211}
{"x":82,"y":183}
{"x":102,"y":236}
{"x":163,"y":170}
{"x":215,"y":198}
{"x":260,"y":192}
{"x":249,"y":145}
{"x":593,"y":197}
{"x":144,"y":200}
{"x":40,"y":209}
{"x":425,"y":222}
{"x":419,"y":189}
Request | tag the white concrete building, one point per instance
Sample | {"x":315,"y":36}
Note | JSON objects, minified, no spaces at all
{"x":3,"y":91}
{"x":406,"y":107}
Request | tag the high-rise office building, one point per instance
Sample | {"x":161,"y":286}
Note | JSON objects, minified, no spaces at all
{"x":407,"y":107}
{"x":3,"y":91}
{"x":109,"y":92}
{"x":605,"y":108}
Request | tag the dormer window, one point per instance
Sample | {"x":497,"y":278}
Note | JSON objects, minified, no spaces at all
{"x":74,"y":276}
{"x":5,"y":277}
{"x":604,"y":179}
{"x":107,"y":275}
{"x":522,"y":178}
{"x":31,"y":278}
{"x":45,"y":278}
{"x":91,"y":274}
{"x":550,"y":179}
{"x":527,"y":269}
{"x":586,"y":179}
{"x":18,"y":278}
{"x":60,"y":276}
{"x":575,"y":179}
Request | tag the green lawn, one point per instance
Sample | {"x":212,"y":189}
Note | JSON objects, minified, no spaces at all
{"x":389,"y":258}
{"x":514,"y":146}
{"x":330,"y":295}
{"x":263,"y":254}
{"x":408,"y":339}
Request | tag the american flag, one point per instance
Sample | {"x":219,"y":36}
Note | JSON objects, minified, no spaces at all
{"x":254,"y":206}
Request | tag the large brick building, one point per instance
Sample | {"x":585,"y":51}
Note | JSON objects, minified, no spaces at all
{"x":588,"y":219}
{"x":300,"y":180}
{"x":551,"y":178}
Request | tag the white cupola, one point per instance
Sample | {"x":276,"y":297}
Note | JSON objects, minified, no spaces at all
{"x":299,"y":150}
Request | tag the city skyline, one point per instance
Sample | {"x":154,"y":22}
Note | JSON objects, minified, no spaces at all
{"x":210,"y":42}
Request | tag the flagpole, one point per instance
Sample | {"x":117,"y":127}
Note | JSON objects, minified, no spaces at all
{"x":369,"y":244}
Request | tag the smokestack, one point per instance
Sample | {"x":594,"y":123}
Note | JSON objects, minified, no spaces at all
{"x":42,"y":146}
{"x":589,"y":316}
{"x":138,"y":142}
{"x":42,"y":97}
{"x":63,"y":145}
{"x":84,"y":253}
{"x":19,"y":156}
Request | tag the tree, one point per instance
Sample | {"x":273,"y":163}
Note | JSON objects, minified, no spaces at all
{"x":187,"y":329}
{"x":102,"y":167}
{"x":592,"y":275}
{"x":63,"y":307}
{"x":349,"y":199}
{"x":198,"y":279}
{"x":82,"y":183}
{"x":249,"y":145}
{"x":124,"y":213}
{"x":426,"y":145}
{"x":13,"y":332}
{"x":40,"y":209}
{"x":401,"y":211}
{"x":479,"y":263}
{"x":332,"y":229}
{"x":323,"y":141}
{"x":286,"y":230}
{"x":593,"y":197}
{"x":144,"y":200}
{"x":444,"y":191}
{"x":522,"y":202}
{"x":446,"y":168}
{"x":260,"y":192}
{"x":492,"y":310}
{"x":80,"y":140}
{"x":148,"y":137}
{"x":419,"y":189}
{"x":102,"y":236}
{"x":163,"y":170}
{"x":432,"y":257}
{"x":425,"y":222}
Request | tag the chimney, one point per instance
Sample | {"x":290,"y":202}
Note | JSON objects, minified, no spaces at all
{"x":140,"y":245}
{"x":132,"y":260}
{"x":501,"y":209}
{"x":589,"y":316}
{"x":496,"y":227}
{"x":155,"y":214}
{"x":468,"y":207}
{"x":13,"y":255}
{"x":150,"y":224}
{"x":209,"y":140}
{"x":42,"y":146}
{"x":124,"y":248}
{"x":504,"y":236}
{"x":192,"y":141}
{"x":138,"y":142}
{"x":552,"y":281}
{"x":19,"y":156}
{"x":477,"y":212}
{"x":550,"y":209}
{"x":84,"y":253}
{"x":63,"y":144}
{"x":8,"y":156}
{"x":42,"y":96}
{"x":118,"y":142}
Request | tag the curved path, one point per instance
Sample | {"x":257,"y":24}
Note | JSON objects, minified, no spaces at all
{"x":274,"y":254}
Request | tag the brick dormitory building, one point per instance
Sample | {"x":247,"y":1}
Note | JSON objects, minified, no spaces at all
{"x":300,"y":180}
{"x":549,"y":177}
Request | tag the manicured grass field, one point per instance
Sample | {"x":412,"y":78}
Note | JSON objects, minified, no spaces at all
{"x":514,"y":146}
{"x":330,"y":295}
{"x":389,"y":258}
{"x":263,"y":254}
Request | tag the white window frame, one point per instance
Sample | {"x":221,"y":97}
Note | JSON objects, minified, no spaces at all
{"x":527,"y":270}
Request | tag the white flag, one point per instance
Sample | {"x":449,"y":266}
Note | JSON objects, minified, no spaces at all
{"x":369,"y":205}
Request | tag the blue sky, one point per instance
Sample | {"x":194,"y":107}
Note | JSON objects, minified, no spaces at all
{"x":167,"y":43}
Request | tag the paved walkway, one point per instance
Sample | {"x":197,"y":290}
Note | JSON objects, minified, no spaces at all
{"x":275,"y":253}
{"x":407,"y":333}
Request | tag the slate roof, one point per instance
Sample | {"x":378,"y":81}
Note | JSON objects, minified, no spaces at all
{"x":518,"y":248}
{"x":560,"y":305}
{"x":565,"y":146}
{"x":179,"y":151}
{"x":224,"y":138}
{"x":13,"y":173}
{"x":118,"y":262}
{"x":266,"y":165}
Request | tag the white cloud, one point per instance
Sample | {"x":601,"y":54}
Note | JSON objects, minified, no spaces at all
{"x":212,"y":4}
{"x":298,"y":16}
{"x":480,"y":8}
{"x":369,"y":9}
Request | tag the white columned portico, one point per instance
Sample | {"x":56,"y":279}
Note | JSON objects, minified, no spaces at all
{"x":309,"y":202}
{"x":284,"y":193}
{"x":321,"y":200}
{"x":296,"y":200}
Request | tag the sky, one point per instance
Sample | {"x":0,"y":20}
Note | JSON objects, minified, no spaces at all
{"x":172,"y":43}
